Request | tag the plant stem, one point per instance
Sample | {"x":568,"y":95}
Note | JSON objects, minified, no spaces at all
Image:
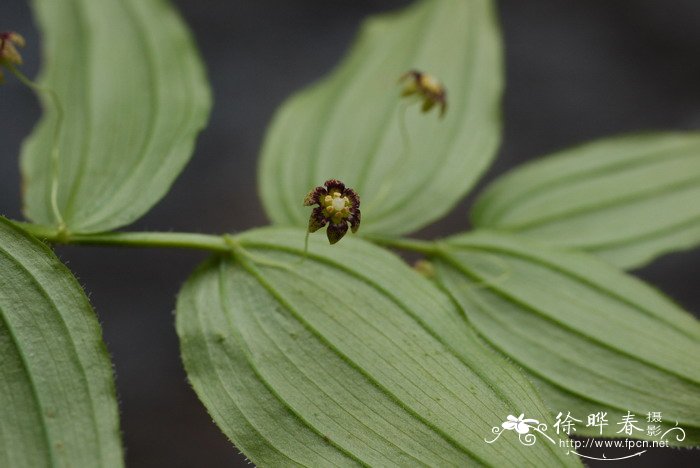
{"x":177,"y":240}
{"x":187,"y":240}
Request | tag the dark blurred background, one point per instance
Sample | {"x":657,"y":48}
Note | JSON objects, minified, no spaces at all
{"x":576,"y":71}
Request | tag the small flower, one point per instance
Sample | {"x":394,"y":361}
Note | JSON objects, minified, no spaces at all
{"x":520,"y":425}
{"x":338,"y":206}
{"x":9,"y":41}
{"x":427,"y":87}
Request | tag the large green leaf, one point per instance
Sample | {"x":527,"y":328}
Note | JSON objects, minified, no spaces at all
{"x":628,"y":198}
{"x":349,"y":126}
{"x":592,"y":336}
{"x":346,"y":357}
{"x":134,"y":95}
{"x":57,"y":401}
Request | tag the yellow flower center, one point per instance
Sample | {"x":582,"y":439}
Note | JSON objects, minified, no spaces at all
{"x":338,"y":204}
{"x":430,"y":83}
{"x":336,"y":207}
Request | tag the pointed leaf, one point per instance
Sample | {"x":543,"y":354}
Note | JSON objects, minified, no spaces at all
{"x":409,"y":168}
{"x":628,"y":199}
{"x":134,"y":95}
{"x":595,"y":337}
{"x":346,"y":358}
{"x":57,"y":400}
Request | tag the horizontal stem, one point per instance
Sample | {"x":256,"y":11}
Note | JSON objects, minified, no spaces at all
{"x":178,"y":240}
{"x":186,"y":240}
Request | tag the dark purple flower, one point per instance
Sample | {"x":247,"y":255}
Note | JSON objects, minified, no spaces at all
{"x":338,"y":206}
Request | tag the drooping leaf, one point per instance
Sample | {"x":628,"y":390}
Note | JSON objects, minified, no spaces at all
{"x":134,"y":95}
{"x":628,"y":199}
{"x":592,"y":336}
{"x":57,"y":399}
{"x":347,"y":357}
{"x":409,"y":168}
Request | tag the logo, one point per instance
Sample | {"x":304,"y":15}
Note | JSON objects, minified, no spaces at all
{"x":529,"y":431}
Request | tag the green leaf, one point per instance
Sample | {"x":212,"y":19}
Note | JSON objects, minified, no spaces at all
{"x":57,"y":400}
{"x":134,"y":94}
{"x":592,"y":336}
{"x":409,"y":168}
{"x":346,"y":357}
{"x":628,"y":199}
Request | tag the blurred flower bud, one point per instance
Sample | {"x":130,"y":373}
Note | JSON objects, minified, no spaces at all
{"x":427,"y":87}
{"x":9,"y":56}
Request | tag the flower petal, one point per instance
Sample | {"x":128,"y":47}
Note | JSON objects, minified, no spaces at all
{"x":353,"y":197}
{"x":413,"y":74}
{"x":314,"y":196}
{"x":8,"y":51}
{"x":354,"y":220}
{"x":336,"y":232}
{"x":427,"y":105}
{"x":334,"y":184}
{"x":18,"y":39}
{"x":317,"y":220}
